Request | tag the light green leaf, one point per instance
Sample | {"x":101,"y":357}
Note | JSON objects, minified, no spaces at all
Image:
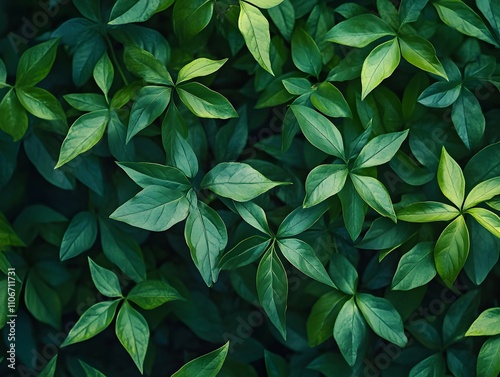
{"x":350,"y":332}
{"x":254,"y":216}
{"x":487,"y":324}
{"x":468,"y":118}
{"x":300,"y":220}
{"x":451,"y":250}
{"x":426,"y":212}
{"x":40,"y":103}
{"x":379,"y":65}
{"x":272,"y":289}
{"x":482,"y":192}
{"x":143,"y":64}
{"x":92,"y":322}
{"x":105,"y":281}
{"x":415,"y":268}
{"x":207,"y":365}
{"x":359,"y":31}
{"x":199,"y":68}
{"x":104,"y":74}
{"x":380,"y":149}
{"x":305,"y":53}
{"x":132,"y":331}
{"x":204,"y":102}
{"x":319,"y":131}
{"x":382,"y":317}
{"x":13,"y":117}
{"x":36,"y":63}
{"x":86,"y":132}
{"x":330,"y":101}
{"x":150,"y":174}
{"x":255,"y":30}
{"x":150,"y":294}
{"x":420,"y":52}
{"x":451,"y":179}
{"x":323,"y":315}
{"x":488,"y":361}
{"x":302,"y":256}
{"x":374,"y":193}
{"x":265,"y":4}
{"x":237,"y":181}
{"x":79,"y":236}
{"x":323,"y":182}
{"x":489,"y":220}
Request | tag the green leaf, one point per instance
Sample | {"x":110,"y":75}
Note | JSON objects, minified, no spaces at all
{"x":181,"y":154}
{"x":353,"y":209}
{"x":191,"y":17}
{"x":36,"y":63}
{"x":300,"y":220}
{"x":244,"y":253}
{"x":426,"y":212}
{"x":487,"y":324}
{"x":199,"y":68}
{"x":324,"y":312}
{"x":305,"y":53}
{"x":265,"y":3}
{"x":86,"y":132}
{"x":92,"y":322}
{"x":440,"y":94}
{"x":237,"y":181}
{"x":382,"y":317}
{"x":488,"y":361}
{"x":433,"y":366}
{"x":150,"y":294}
{"x":345,"y":276}
{"x":415,"y":268}
{"x":150,"y":174}
{"x":380,"y":149}
{"x":451,"y":179}
{"x":459,"y":317}
{"x":50,"y":369}
{"x":319,"y":131}
{"x":204,"y":102}
{"x":410,"y":10}
{"x":302,"y":256}
{"x":13,"y":118}
{"x":130,"y":11}
{"x":3,"y":72}
{"x":254,"y":216}
{"x":483,"y":165}
{"x":350,"y":332}
{"x":359,"y":31}
{"x":143,"y":64}
{"x":330,"y":101}
{"x":451,"y":250}
{"x":323,"y":182}
{"x":457,"y":15}
{"x":42,"y":301}
{"x":207,"y":365}
{"x":272,"y":289}
{"x":283,"y":16}
{"x":206,"y":237}
{"x":491,"y":11}
{"x":40,"y":103}
{"x":8,"y":236}
{"x":255,"y":30}
{"x":86,"y":101}
{"x":297,"y":85}
{"x":152,"y":102}
{"x":487,"y":219}
{"x":482,"y":192}
{"x":374,"y":193}
{"x":79,"y":236}
{"x":105,"y":281}
{"x":379,"y":65}
{"x":468,"y":118}
{"x":104,"y":74}
{"x":90,"y":371}
{"x":420,"y":52}
{"x":276,"y":366}
{"x":155,"y":208}
{"x":133,"y":333}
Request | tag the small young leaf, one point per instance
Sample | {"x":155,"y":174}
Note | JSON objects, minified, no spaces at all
{"x":323,"y":182}
{"x":204,"y":102}
{"x":207,"y":365}
{"x":451,"y":179}
{"x":199,"y":68}
{"x":380,"y":149}
{"x":80,"y":235}
{"x":301,"y":219}
{"x":104,"y":74}
{"x":482,"y":192}
{"x":106,"y":281}
{"x":420,"y":52}
{"x":415,"y":268}
{"x":374,"y":194}
{"x":150,"y":294}
{"x":487,"y":324}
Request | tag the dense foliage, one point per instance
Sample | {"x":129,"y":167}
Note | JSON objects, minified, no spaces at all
{"x":250,"y":188}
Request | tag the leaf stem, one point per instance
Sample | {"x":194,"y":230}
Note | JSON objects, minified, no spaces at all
{"x":113,"y":56}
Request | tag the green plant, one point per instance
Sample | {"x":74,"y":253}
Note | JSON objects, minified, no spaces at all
{"x":250,"y":187}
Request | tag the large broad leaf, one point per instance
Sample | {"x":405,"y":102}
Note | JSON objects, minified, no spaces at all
{"x":207,"y":365}
{"x":323,"y":182}
{"x":143,"y":64}
{"x":272,"y":289}
{"x":204,"y":102}
{"x":433,"y":366}
{"x":382,"y":317}
{"x":206,"y":237}
{"x":305,"y":53}
{"x":359,"y":31}
{"x":237,"y":181}
{"x":451,"y":179}
{"x":468,"y":118}
{"x":13,"y":117}
{"x":379,"y":65}
{"x":155,"y":208}
{"x":150,"y":294}
{"x":86,"y":132}
{"x":489,"y":220}
{"x":300,"y":219}
{"x":40,"y":103}
{"x":150,"y":174}
{"x":36,"y":62}
{"x":488,"y":361}
{"x":487,"y":324}
{"x":380,"y":149}
{"x":451,"y":250}
{"x":350,"y":331}
{"x":482,"y":192}
{"x":191,"y":17}
{"x":129,"y":11}
{"x":319,"y":130}
{"x":105,"y":281}
{"x":420,"y":52}
{"x":92,"y":322}
{"x":426,"y":212}
{"x":415,"y":268}
{"x":80,"y":235}
{"x":302,"y":256}
{"x":132,"y":331}
{"x":199,"y":68}
{"x":374,"y":194}
{"x":255,"y":30}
